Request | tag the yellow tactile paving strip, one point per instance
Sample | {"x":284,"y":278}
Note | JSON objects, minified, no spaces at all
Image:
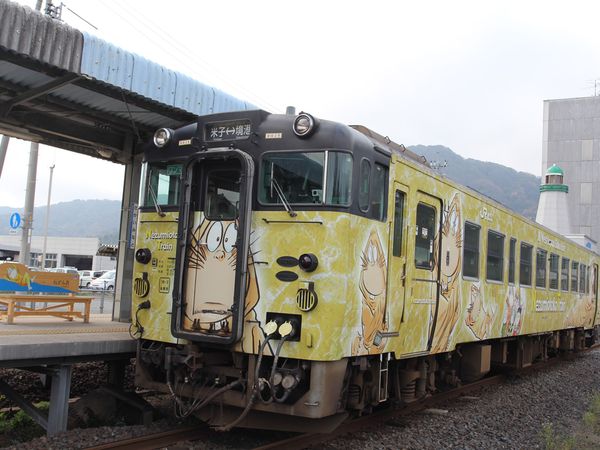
{"x":90,"y":330}
{"x":99,"y":323}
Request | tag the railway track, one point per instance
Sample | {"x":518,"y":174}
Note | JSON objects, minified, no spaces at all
{"x":164,"y":439}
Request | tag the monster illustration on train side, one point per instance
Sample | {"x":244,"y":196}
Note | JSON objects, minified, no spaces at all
{"x":291,"y":272}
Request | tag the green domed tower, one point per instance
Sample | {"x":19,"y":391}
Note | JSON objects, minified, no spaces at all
{"x":553,"y":210}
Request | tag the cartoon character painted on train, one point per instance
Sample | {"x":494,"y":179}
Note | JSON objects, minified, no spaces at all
{"x":449,"y":304}
{"x":514,"y":310}
{"x":582,"y":311}
{"x":479,"y":316}
{"x":210,"y":283}
{"x":372,"y":287}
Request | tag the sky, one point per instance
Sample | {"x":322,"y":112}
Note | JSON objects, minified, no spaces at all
{"x":469,"y":75}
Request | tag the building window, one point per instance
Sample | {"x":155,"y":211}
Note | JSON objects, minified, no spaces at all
{"x":398,"y":223}
{"x":553,"y":272}
{"x":471,"y":251}
{"x":564,"y":274}
{"x":574,"y":274}
{"x":511,"y":260}
{"x":35,"y":260}
{"x":540,"y":268}
{"x":525,"y":264}
{"x":495,"y":256}
{"x":364,"y":182}
{"x":424,"y":237}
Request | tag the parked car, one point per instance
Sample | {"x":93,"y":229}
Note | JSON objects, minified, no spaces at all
{"x":106,"y":282}
{"x":87,"y":276}
{"x":66,"y":269}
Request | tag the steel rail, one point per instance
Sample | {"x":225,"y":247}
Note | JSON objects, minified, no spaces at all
{"x":156,"y":440}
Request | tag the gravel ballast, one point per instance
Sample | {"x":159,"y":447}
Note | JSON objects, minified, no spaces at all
{"x":507,"y":416}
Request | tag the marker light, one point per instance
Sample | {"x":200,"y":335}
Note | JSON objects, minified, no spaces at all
{"x":162,"y":137}
{"x":308,"y":262}
{"x":304,"y":125}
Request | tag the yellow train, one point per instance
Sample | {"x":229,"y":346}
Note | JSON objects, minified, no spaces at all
{"x":292,"y":271}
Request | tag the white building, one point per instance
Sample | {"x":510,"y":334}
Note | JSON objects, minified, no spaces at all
{"x":78,"y":252}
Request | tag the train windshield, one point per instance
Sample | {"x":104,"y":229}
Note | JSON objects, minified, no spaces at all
{"x":301,"y":178}
{"x":162,"y":184}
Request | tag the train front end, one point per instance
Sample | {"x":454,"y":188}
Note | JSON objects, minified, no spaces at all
{"x":241,"y":274}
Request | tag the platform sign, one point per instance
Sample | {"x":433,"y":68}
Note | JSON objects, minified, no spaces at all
{"x":15,"y":220}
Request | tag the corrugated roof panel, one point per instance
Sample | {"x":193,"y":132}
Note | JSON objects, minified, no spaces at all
{"x":154,"y":81}
{"x":106,"y":62}
{"x":190,"y":98}
{"x":27,"y":32}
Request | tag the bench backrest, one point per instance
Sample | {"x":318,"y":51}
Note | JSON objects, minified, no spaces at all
{"x":16,"y":277}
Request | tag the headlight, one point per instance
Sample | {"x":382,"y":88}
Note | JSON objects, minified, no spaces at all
{"x":162,"y":137}
{"x":308,"y":262}
{"x":304,"y":125}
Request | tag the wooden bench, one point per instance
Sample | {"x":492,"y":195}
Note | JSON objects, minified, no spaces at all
{"x":15,"y":304}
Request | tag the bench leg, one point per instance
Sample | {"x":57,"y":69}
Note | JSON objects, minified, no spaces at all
{"x":86,"y":312}
{"x":10,"y":314}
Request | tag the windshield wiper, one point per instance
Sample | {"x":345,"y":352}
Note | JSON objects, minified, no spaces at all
{"x":155,"y":201}
{"x":286,"y":204}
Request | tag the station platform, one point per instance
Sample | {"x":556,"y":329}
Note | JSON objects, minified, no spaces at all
{"x":47,"y":340}
{"x":50,"y":346}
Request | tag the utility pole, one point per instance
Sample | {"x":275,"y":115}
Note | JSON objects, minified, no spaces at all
{"x":47,"y":217}
{"x":29,"y":194}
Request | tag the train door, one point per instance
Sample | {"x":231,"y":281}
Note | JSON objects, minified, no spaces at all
{"x":211,"y":264}
{"x":426,"y":276}
{"x":397,"y":250}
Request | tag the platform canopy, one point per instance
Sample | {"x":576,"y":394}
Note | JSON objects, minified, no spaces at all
{"x":72,"y":90}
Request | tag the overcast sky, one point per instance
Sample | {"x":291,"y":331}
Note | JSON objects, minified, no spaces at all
{"x":468,"y":75}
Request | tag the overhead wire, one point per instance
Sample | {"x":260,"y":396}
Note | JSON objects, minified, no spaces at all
{"x":180,"y":52}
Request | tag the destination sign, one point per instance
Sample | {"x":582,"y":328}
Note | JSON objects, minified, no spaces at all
{"x":228,"y":131}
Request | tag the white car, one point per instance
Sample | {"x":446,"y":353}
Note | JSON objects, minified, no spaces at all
{"x":106,"y":282}
{"x":87,"y":276}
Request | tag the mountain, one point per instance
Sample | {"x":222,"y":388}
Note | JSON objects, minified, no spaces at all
{"x":77,"y":218}
{"x":518,"y":191}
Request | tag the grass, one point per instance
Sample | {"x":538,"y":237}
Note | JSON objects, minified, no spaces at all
{"x":586,"y":437}
{"x":19,"y":427}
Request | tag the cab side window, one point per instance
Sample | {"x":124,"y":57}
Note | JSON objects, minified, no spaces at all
{"x":379,"y":192}
{"x":364,"y":185}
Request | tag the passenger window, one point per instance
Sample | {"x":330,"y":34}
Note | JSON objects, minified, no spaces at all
{"x":364,"y":182}
{"x":540,"y":268}
{"x":525,"y":264}
{"x":564,"y":274}
{"x":574,"y":275}
{"x":425,"y":236}
{"x":495,"y":256}
{"x":398,"y":223}
{"x":553,"y":271}
{"x":379,"y":197}
{"x":471,"y":251}
{"x":511,"y":260}
{"x":582,"y":274}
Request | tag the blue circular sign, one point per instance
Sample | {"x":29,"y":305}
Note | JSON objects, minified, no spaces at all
{"x":15,"y":220}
